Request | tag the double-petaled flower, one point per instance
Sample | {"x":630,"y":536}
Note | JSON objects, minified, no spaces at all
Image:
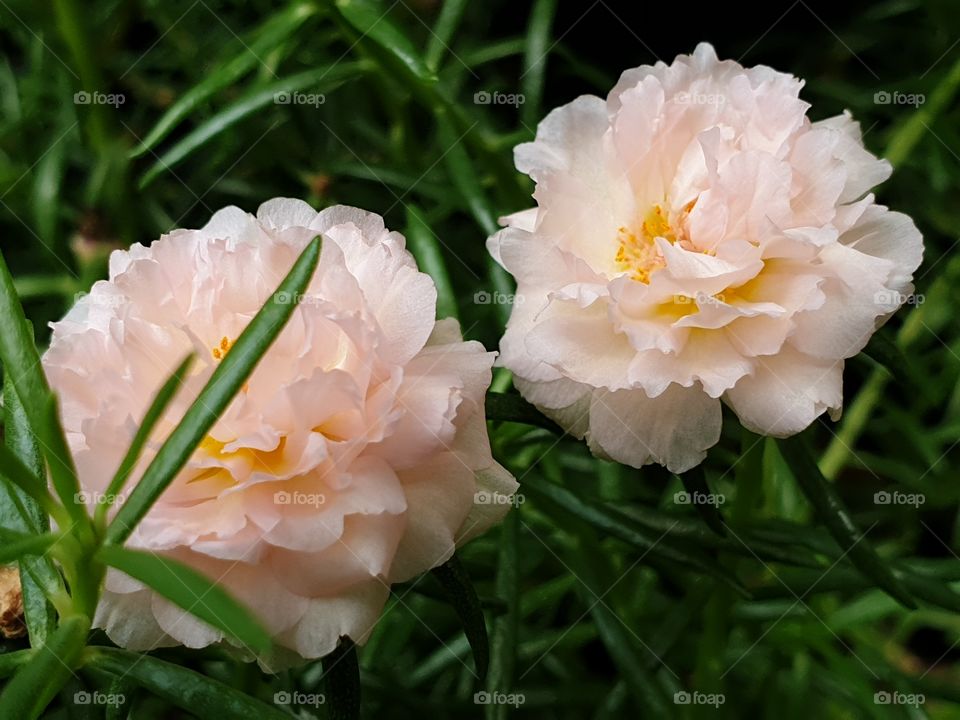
{"x":350,"y":460}
{"x":696,"y":239}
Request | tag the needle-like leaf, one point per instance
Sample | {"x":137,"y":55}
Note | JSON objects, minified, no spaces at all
{"x":827,"y":504}
{"x":190,"y":590}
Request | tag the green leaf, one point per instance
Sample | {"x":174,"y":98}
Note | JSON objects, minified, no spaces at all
{"x":36,"y":683}
{"x":230,"y":375}
{"x":21,"y":441}
{"x":493,"y":51}
{"x":341,"y":674}
{"x":63,"y":472}
{"x":441,"y":659}
{"x":38,"y":286}
{"x":674,"y":625}
{"x":10,"y":662}
{"x":616,"y":636}
{"x":918,"y":123}
{"x":657,"y":546}
{"x":199,"y":695}
{"x":16,"y":545}
{"x":323,"y":78}
{"x":191,"y":591}
{"x":21,"y":512}
{"x":466,"y":179}
{"x":266,"y":38}
{"x":538,"y":46}
{"x":501,"y":282}
{"x":783,"y":498}
{"x":465,"y":176}
{"x":426,"y":247}
{"x":371,"y":20}
{"x":884,"y":352}
{"x":748,"y":477}
{"x":31,"y":489}
{"x":21,"y":362}
{"x":451,"y":13}
{"x":695,"y":483}
{"x":746,"y":542}
{"x":122,"y":710}
{"x":463,"y":597}
{"x":385,"y":175}
{"x":507,"y":407}
{"x":834,"y":515}
{"x":160,"y":402}
{"x":932,"y":591}
{"x":503,"y":647}
{"x":47,"y":182}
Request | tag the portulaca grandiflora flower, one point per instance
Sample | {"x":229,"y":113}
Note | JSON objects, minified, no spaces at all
{"x":352,"y":458}
{"x":696,"y":239}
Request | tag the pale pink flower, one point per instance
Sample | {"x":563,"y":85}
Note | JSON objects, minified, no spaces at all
{"x":352,"y":458}
{"x":696,"y":238}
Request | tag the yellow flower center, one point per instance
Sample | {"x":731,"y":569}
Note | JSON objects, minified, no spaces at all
{"x":637,"y":252}
{"x":272,"y":461}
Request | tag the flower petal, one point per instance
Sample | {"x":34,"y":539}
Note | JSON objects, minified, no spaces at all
{"x":674,"y":429}
{"x":786,"y":393}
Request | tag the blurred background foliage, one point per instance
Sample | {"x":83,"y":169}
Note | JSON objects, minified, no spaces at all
{"x":604,"y":596}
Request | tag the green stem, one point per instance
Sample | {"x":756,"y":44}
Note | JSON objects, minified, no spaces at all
{"x":86,"y":577}
{"x":11,"y":661}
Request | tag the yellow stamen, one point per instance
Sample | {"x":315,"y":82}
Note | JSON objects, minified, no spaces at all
{"x":220,"y":352}
{"x":638,"y":253}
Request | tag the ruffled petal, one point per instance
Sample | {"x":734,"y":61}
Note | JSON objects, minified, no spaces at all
{"x":674,"y":429}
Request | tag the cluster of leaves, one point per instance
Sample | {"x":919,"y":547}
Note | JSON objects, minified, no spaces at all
{"x":798,"y":596}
